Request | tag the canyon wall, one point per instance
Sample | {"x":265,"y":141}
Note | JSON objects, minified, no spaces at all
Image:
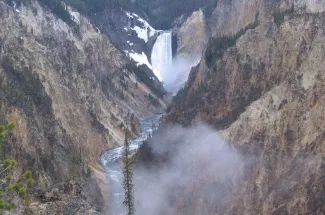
{"x":71,"y":94}
{"x":264,"y":93}
{"x":192,"y":35}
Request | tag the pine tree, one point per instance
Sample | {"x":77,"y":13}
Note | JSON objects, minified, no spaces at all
{"x":8,"y":185}
{"x":127,"y":177}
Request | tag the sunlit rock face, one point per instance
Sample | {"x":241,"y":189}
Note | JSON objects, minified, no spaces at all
{"x":224,"y":22}
{"x":310,"y":6}
{"x":69,"y":93}
{"x":192,"y":36}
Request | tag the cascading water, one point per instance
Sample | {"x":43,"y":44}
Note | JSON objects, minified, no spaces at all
{"x":172,"y":72}
{"x":161,"y":60}
{"x":162,"y":56}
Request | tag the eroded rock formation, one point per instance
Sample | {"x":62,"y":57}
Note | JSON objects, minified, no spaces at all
{"x":69,"y":92}
{"x":192,"y":35}
{"x":265,"y":95}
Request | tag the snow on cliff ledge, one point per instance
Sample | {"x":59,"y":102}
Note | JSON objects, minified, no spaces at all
{"x":141,"y":59}
{"x":144,"y":31}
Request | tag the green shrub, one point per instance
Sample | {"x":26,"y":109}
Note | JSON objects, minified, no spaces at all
{"x":88,"y":172}
{"x":278,"y":16}
{"x":153,"y":100}
{"x":58,"y":9}
{"x":9,"y":185}
{"x":162,"y":13}
{"x":143,"y":74}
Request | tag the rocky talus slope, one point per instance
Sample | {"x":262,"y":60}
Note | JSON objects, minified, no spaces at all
{"x":69,"y":92}
{"x":265,"y":93}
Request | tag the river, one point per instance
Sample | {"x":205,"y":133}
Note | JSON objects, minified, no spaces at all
{"x":110,"y":160}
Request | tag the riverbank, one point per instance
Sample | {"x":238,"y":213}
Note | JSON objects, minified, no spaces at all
{"x":98,"y":173}
{"x":110,"y":162}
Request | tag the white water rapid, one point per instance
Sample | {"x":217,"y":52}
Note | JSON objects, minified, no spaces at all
{"x":162,"y":56}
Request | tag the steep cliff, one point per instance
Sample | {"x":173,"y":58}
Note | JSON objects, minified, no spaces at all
{"x":263,"y":88}
{"x":162,"y":13}
{"x":71,"y":94}
{"x":191,"y":35}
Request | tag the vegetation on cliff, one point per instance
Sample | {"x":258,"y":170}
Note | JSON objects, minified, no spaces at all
{"x":143,"y":74}
{"x":160,"y":13}
{"x":9,"y":186}
{"x":22,"y":88}
{"x":190,"y":100}
{"x":278,"y":16}
{"x":217,"y":46}
{"x":264,"y":94}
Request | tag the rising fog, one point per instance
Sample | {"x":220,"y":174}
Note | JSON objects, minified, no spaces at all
{"x":175,"y":76}
{"x":187,"y":157}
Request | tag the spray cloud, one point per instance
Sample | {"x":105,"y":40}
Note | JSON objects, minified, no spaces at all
{"x":187,"y":164}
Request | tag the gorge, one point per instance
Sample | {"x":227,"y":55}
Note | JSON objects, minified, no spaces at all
{"x":238,"y":87}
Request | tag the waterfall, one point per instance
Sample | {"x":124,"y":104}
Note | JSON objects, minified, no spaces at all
{"x":161,"y":57}
{"x":172,"y":72}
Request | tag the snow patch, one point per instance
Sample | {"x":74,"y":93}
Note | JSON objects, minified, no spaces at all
{"x":74,"y":15}
{"x":141,"y":59}
{"x":15,"y":6}
{"x":144,"y":31}
{"x":129,"y":14}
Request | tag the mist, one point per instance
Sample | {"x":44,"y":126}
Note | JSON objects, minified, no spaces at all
{"x":176,"y":74}
{"x":183,"y":162}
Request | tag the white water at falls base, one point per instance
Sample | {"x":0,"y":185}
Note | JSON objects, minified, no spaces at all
{"x":172,"y":72}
